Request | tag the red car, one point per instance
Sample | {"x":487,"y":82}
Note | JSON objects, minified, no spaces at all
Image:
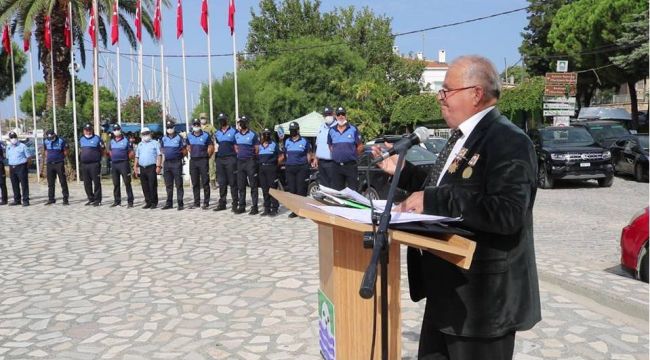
{"x":634,"y":245}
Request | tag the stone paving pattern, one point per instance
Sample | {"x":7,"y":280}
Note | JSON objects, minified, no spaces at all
{"x":100,"y":283}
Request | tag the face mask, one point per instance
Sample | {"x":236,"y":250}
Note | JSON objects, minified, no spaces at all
{"x":196,"y":129}
{"x":243,"y":126}
{"x":146,"y":138}
{"x":341,"y":122}
{"x":293,"y":133}
{"x":204,"y":121}
{"x":51,"y":138}
{"x":224,"y":122}
{"x":88,"y":135}
{"x":13,"y":141}
{"x":329,"y":119}
{"x":117,"y":132}
{"x":170,"y":131}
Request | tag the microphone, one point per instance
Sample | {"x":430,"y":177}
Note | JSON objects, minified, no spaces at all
{"x":419,"y":135}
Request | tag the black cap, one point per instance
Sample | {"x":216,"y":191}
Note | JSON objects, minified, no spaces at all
{"x":327,"y":111}
{"x":13,"y":135}
{"x":196,"y":122}
{"x":294,"y":126}
{"x":266,"y":131}
{"x":222,"y":116}
{"x":169,"y":124}
{"x":117,"y":127}
{"x":49,"y":132}
{"x":243,"y":119}
{"x":340,"y":110}
{"x":88,"y":126}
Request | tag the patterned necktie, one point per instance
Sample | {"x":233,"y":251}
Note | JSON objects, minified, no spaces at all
{"x":442,"y":157}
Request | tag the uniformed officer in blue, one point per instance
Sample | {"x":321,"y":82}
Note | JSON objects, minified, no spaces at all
{"x":174,"y":150}
{"x":297,"y":153}
{"x":200,"y":147}
{"x":226,"y":163}
{"x":323,"y":156}
{"x":269,"y":158}
{"x":148,"y":165}
{"x":91,"y":148}
{"x":345,"y":144}
{"x":55,"y":150}
{"x":4,"y":196}
{"x":121,"y":152}
{"x":18,"y":158}
{"x":247,"y":147}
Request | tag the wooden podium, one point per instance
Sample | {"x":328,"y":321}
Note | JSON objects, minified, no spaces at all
{"x":343,"y":261}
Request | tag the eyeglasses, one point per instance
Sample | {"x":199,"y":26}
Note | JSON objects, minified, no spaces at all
{"x":442,"y":93}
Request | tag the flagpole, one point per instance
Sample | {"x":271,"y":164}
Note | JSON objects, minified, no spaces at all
{"x":74,"y":100}
{"x":95,"y":69}
{"x":162,"y":70}
{"x":31,"y":81}
{"x":52,"y":81}
{"x":117,"y":60}
{"x":141,"y":89}
{"x":13,"y":82}
{"x":187,"y":121}
{"x":234,"y":62}
{"x":210,"y":68}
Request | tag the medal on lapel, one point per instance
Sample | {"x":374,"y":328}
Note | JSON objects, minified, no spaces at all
{"x":467,"y":173}
{"x":453,"y":167}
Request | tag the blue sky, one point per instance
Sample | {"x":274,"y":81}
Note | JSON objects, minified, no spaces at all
{"x":497,"y":39}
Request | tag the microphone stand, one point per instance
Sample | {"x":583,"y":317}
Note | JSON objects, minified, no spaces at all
{"x":380,"y":255}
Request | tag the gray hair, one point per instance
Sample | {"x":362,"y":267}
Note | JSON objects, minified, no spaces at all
{"x":480,"y":71}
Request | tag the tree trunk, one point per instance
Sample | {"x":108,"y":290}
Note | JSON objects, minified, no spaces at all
{"x":61,"y":55}
{"x":634,"y":104}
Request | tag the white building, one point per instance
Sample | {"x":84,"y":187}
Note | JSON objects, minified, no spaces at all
{"x":434,"y":72}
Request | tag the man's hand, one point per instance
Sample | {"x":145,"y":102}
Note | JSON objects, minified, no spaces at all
{"x":136,"y":171}
{"x":413,"y":204}
{"x":314,"y":162}
{"x":388,"y":165}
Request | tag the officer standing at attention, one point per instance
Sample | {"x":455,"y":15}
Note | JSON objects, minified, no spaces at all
{"x":148,"y":165}
{"x":247,"y":147}
{"x":3,"y":177}
{"x":226,"y":162}
{"x":200,"y":147}
{"x":174,"y":150}
{"x":297,"y":151}
{"x":55,"y":149}
{"x":345,"y":144}
{"x":323,"y":159}
{"x":91,"y":148}
{"x":269,"y":157}
{"x":212,"y":168}
{"x":18,"y":158}
{"x":120,"y":151}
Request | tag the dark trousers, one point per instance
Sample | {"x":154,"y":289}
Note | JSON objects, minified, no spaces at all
{"x":121,"y":170}
{"x":269,"y":180}
{"x":18,"y":175}
{"x":3,"y":184}
{"x":200,"y":179}
{"x":92,"y":182}
{"x":297,"y":178}
{"x":345,"y":175}
{"x":149,"y":182}
{"x":325,"y":168}
{"x":227,"y":176}
{"x":55,"y":170}
{"x":173,"y":174}
{"x":247,"y":170}
{"x":435,"y":345}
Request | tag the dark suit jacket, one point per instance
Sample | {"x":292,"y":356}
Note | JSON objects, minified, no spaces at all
{"x":500,"y":292}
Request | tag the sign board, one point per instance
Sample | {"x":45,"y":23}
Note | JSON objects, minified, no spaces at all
{"x":559,"y":106}
{"x":560,"y":99}
{"x":562,"y":66}
{"x":561,"y":121}
{"x":560,"y":84}
{"x":326,"y":327}
{"x":39,"y":132}
{"x":559,"y":112}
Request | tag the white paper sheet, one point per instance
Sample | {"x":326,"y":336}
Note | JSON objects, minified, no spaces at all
{"x":363,"y":215}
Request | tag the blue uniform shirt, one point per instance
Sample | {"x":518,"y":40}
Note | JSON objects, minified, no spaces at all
{"x":322,"y":147}
{"x":90,"y":149}
{"x":344,"y":144}
{"x":17,"y":154}
{"x":172,"y":147}
{"x":246,"y":144}
{"x":226,"y":141}
{"x":199,"y":144}
{"x":54,"y":150}
{"x":269,"y":153}
{"x":120,"y":149}
{"x":296,"y":151}
{"x":147,"y":152}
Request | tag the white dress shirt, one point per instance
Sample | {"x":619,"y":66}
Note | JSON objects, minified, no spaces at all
{"x":466,"y":127}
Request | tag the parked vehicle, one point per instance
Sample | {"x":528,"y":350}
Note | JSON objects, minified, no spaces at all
{"x":630,"y":156}
{"x":634,"y":246}
{"x":604,"y":132}
{"x":570,"y":153}
{"x":434,"y":144}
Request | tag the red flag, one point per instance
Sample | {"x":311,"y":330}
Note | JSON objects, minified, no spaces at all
{"x":157,"y":31}
{"x":138,"y":21}
{"x":204,"y":15}
{"x":6,"y":40}
{"x":27,"y":39}
{"x":179,"y":20}
{"x":115,"y":33}
{"x":47,"y":34}
{"x":231,"y":16}
{"x":67,"y":33}
{"x":91,"y":27}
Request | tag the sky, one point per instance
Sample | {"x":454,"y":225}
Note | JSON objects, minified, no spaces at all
{"x":497,"y":39}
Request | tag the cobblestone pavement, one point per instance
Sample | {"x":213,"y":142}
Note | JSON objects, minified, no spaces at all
{"x":99,"y":283}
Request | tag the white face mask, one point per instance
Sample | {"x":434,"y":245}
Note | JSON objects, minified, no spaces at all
{"x":196,"y":129}
{"x":329,"y":119}
{"x":146,"y":138}
{"x":204,"y":121}
{"x":13,"y":141}
{"x":170,"y":131}
{"x":117,"y":132}
{"x":342,"y":122}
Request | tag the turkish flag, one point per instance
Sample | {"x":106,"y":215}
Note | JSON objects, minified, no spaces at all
{"x":179,"y":20}
{"x":138,"y":21}
{"x":27,"y":39}
{"x":67,"y":33}
{"x":157,"y":19}
{"x":115,"y":32}
{"x":47,"y":33}
{"x":204,"y":15}
{"x":231,"y":16}
{"x":92,"y":31}
{"x":6,"y":40}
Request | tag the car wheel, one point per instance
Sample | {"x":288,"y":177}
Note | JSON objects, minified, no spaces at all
{"x":312,"y":188}
{"x":371,"y":193}
{"x":606,"y":182}
{"x":643,"y":268}
{"x":544,"y":181}
{"x":638,"y":172}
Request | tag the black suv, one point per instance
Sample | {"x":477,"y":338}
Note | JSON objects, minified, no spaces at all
{"x":604,"y":132}
{"x":570,"y":153}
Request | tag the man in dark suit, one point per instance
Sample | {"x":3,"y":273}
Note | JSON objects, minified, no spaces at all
{"x":486,"y":175}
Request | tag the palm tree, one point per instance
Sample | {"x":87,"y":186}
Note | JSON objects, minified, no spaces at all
{"x":23,"y":15}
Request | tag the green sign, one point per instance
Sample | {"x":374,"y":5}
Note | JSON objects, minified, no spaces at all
{"x":326,"y":327}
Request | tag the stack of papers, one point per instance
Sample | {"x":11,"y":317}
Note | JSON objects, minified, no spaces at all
{"x":350,"y":198}
{"x":364,"y":215}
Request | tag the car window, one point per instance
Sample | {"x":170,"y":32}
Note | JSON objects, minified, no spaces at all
{"x":418,"y":154}
{"x":600,"y":132}
{"x":643,"y":141}
{"x":567,"y":136}
{"x":364,"y":158}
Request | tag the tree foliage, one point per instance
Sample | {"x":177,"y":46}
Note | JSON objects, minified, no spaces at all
{"x":20,"y":61}
{"x":131,"y":111}
{"x":525,"y":99}
{"x":416,"y":109}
